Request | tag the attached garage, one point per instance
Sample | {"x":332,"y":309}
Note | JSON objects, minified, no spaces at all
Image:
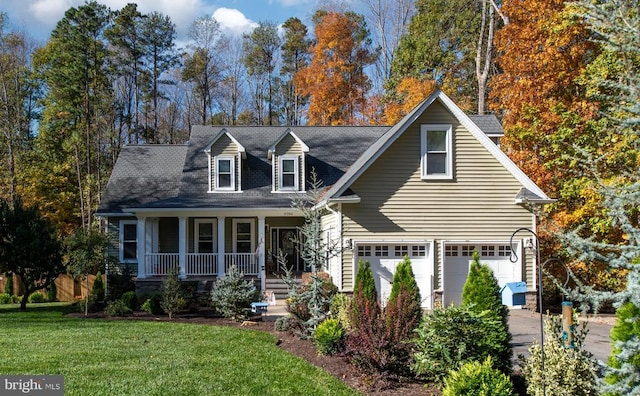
{"x":457,"y":259}
{"x":384,"y":257}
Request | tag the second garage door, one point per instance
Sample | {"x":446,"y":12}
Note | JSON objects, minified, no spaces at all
{"x":457,"y":258}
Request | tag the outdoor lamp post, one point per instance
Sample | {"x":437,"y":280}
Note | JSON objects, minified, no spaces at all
{"x":514,"y":258}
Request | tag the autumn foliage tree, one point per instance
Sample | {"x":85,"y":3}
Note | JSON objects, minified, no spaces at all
{"x":335,"y":79}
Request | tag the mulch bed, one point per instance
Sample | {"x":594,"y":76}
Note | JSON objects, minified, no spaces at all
{"x":335,"y":365}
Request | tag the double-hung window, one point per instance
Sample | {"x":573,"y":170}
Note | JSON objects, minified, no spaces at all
{"x":128,"y":241}
{"x":436,"y":151}
{"x":225,"y":173}
{"x":288,"y":174}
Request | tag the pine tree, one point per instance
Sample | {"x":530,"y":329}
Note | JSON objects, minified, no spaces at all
{"x":405,"y":281}
{"x":481,"y":292}
{"x":613,"y":165}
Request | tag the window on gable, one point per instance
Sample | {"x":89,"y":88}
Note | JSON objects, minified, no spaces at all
{"x":436,"y":151}
{"x":225,"y":173}
{"x":128,"y":241}
{"x":288,"y":174}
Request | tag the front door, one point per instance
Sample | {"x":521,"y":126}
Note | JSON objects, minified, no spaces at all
{"x":285,"y":240}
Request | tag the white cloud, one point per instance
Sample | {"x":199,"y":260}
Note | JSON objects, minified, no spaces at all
{"x":50,"y":12}
{"x":291,"y":3}
{"x":233,"y":21}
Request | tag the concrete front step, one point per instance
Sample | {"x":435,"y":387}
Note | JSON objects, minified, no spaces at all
{"x":278,"y":287}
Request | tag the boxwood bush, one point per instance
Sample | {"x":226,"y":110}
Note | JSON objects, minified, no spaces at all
{"x":329,"y":337}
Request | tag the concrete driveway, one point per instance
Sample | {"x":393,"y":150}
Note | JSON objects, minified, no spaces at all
{"x":524,"y":326}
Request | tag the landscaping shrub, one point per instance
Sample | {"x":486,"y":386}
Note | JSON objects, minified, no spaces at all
{"x":88,"y":304}
{"x":477,"y":379}
{"x":36,"y":298}
{"x":52,"y":292}
{"x":283,"y":323}
{"x":481,"y":292}
{"x":329,"y":337}
{"x":452,"y":336}
{"x":365,"y":296}
{"x":152,"y":305}
{"x":130,"y":299}
{"x":232,"y":295}
{"x":404,"y":278}
{"x":120,"y":281}
{"x":8,"y":286}
{"x":339,"y":309}
{"x":625,"y":330}
{"x":172,"y":295}
{"x":117,"y":308}
{"x":309,"y":304}
{"x":567,"y":371}
{"x":382,"y":340}
{"x":97,"y":289}
{"x":5,"y":298}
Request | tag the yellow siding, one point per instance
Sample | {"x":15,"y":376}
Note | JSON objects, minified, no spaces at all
{"x":224,"y":146}
{"x":287,"y":146}
{"x":478,"y":204}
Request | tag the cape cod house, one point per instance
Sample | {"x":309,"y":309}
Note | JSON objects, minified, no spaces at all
{"x":434,"y":187}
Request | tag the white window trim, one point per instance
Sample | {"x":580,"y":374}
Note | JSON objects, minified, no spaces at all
{"x":296,"y":176}
{"x":121,"y":241}
{"x":235,"y":233}
{"x":233,"y":172}
{"x":196,"y":236}
{"x":448,"y":175}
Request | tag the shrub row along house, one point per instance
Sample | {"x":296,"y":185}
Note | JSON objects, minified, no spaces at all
{"x":434,"y":187}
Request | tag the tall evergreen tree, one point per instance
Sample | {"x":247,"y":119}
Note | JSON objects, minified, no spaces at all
{"x":615,"y":82}
{"x":481,"y":292}
{"x":295,"y":56}
{"x":260,"y":58}
{"x":404,"y":281}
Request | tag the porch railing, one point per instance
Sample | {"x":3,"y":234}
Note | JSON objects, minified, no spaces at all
{"x":246,"y":263}
{"x":159,"y":264}
{"x":201,"y":264}
{"x":197,"y":264}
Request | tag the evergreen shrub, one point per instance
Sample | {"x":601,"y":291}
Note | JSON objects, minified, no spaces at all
{"x":8,"y":286}
{"x":339,"y":309}
{"x":52,"y":292}
{"x":567,"y":371}
{"x":117,"y":308}
{"x":232,"y":295}
{"x":130,"y":299}
{"x":97,"y":289}
{"x":477,"y":379}
{"x":449,"y":337}
{"x":36,"y":297}
{"x":310,"y":303}
{"x":152,"y":305}
{"x":329,"y":337}
{"x":5,"y":298}
{"x":482,"y":293}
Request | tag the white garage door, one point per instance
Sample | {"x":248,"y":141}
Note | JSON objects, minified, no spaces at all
{"x":384,"y":258}
{"x":457,"y":258}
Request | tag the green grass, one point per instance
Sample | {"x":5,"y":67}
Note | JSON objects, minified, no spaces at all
{"x":120,"y":357}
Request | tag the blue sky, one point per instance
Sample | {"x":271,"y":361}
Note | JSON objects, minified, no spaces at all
{"x":39,"y":17}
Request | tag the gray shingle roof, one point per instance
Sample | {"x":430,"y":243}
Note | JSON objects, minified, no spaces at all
{"x":489,"y":124}
{"x":143,"y":178}
{"x":143,"y":174}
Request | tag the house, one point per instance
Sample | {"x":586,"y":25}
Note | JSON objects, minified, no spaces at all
{"x":434,"y":187}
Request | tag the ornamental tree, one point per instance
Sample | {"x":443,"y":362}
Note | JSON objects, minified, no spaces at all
{"x":29,"y":248}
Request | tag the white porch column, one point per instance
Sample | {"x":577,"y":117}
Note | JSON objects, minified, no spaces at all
{"x":182,"y":246}
{"x":141,"y":238}
{"x":261,"y":253}
{"x":221,"y":238}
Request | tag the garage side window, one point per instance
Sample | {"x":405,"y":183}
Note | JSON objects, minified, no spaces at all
{"x":436,"y":151}
{"x":128,"y":241}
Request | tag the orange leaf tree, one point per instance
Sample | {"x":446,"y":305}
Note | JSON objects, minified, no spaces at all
{"x":335,"y":79}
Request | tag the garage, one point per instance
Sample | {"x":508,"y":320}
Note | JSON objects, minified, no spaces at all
{"x":456,"y":261}
{"x":385,"y":257}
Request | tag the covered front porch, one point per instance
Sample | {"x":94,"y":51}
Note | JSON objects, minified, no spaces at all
{"x":206,"y":245}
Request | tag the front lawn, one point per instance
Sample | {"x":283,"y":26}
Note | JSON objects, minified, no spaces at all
{"x":121,"y":357}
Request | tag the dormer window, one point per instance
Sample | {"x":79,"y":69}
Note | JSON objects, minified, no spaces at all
{"x":288,"y":175}
{"x":225,"y":173}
